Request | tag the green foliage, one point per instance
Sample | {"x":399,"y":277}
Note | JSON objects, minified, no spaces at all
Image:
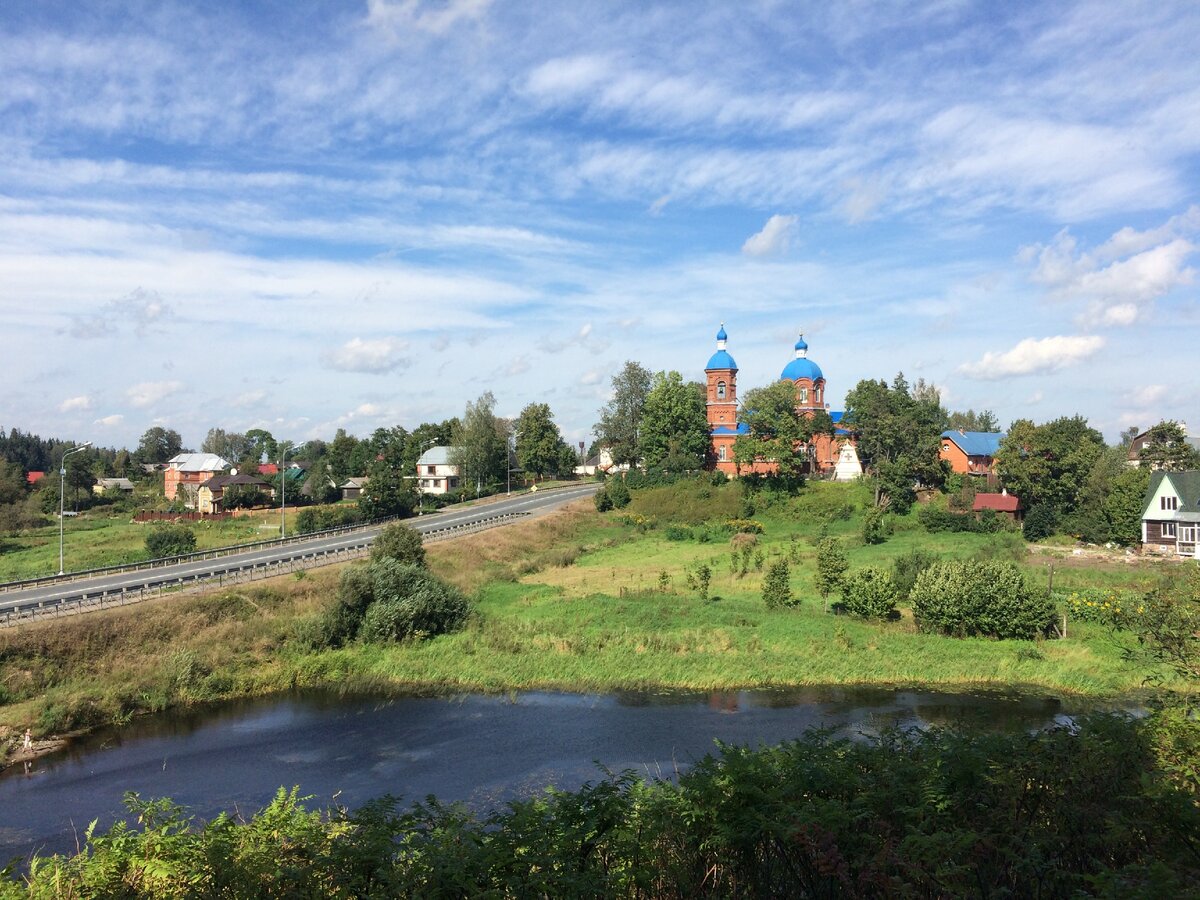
{"x":777,"y":589}
{"x":685,"y":500}
{"x":399,"y":542}
{"x":170,"y":540}
{"x":675,"y":430}
{"x":1103,"y":606}
{"x":703,"y":580}
{"x":1167,"y":625}
{"x":832,"y":564}
{"x":602,"y":500}
{"x":481,"y":445}
{"x":321,"y":518}
{"x":907,"y":567}
{"x":1100,"y":809}
{"x":778,"y":432}
{"x":409,"y":602}
{"x":870,"y":593}
{"x":618,"y":493}
{"x":988,"y":599}
{"x":1039,"y":522}
{"x":541,"y":449}
{"x":874,"y":529}
{"x":1166,"y":447}
{"x":1049,"y":464}
{"x":620,"y":425}
{"x":899,"y":436}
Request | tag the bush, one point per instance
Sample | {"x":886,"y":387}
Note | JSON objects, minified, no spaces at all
{"x":602,"y":500}
{"x":777,"y":590}
{"x":906,"y":568}
{"x":677,"y":533}
{"x":831,"y":565}
{"x":170,"y":540}
{"x":870,"y":593}
{"x":744,"y":526}
{"x":936,"y":519}
{"x":399,"y":542}
{"x":873,"y":530}
{"x":1039,"y":523}
{"x":618,"y":493}
{"x":973,"y":598}
{"x":321,"y":518}
{"x":410,"y":602}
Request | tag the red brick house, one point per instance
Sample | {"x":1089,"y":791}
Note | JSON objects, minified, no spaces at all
{"x":188,"y":471}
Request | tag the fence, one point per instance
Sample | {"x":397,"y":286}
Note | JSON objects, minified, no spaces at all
{"x":230,"y":575}
{"x":151,"y":515}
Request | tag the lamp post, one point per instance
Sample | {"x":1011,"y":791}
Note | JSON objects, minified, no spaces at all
{"x":62,"y":490}
{"x":284,"y":450}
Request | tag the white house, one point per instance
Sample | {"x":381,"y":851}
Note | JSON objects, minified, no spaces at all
{"x":1171,"y":516}
{"x":435,"y":473}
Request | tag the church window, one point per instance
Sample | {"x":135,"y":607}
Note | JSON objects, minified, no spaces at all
{"x":803,"y":395}
{"x":720,"y":390}
{"x":721,"y":453}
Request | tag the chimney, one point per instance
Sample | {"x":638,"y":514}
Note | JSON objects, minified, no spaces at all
{"x":1003,"y":492}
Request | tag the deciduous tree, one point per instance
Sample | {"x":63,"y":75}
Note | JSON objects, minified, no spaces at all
{"x":1166,"y":447}
{"x":674,"y":422}
{"x":481,"y":444}
{"x":620,"y":425}
{"x":539,"y":443}
{"x":778,"y":433}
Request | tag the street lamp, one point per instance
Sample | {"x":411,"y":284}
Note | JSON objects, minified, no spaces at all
{"x":62,"y":490}
{"x":283,"y":491}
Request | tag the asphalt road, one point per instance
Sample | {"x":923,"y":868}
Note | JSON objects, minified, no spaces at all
{"x":65,"y":592}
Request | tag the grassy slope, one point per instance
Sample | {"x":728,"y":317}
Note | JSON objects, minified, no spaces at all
{"x":570,"y":601}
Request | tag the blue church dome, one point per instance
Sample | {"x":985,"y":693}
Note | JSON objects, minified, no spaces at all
{"x":801,"y":366}
{"x":721,"y":359}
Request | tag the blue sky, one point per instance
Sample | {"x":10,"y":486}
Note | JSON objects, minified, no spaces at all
{"x":304,"y":216}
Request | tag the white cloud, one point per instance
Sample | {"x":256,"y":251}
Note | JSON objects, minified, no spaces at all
{"x":249,"y":399}
{"x":518,"y":366}
{"x":1149,"y":395}
{"x":375,"y":355}
{"x":147,"y":393}
{"x":773,"y":239}
{"x":592,"y":377}
{"x":139,"y":309}
{"x":1034,"y":355}
{"x":75,"y":403}
{"x":434,"y":16}
{"x":110,"y":421}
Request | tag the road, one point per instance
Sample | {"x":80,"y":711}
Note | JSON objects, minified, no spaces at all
{"x":304,"y":553}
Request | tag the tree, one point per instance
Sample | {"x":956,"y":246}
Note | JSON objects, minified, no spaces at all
{"x":158,"y":445}
{"x":13,"y":485}
{"x":318,"y":484}
{"x":620,"y":425}
{"x":1049,"y":464}
{"x":832,"y":564}
{"x":674,"y":423}
{"x":1166,"y":447}
{"x":968,"y":598}
{"x":539,"y":442}
{"x":230,"y":445}
{"x":481,"y":444}
{"x":387,"y":492}
{"x":261,"y":445}
{"x":776,"y":588}
{"x":339,"y":453}
{"x":984,"y":420}
{"x":778,"y":432}
{"x":1122,"y":506}
{"x":899,"y":436}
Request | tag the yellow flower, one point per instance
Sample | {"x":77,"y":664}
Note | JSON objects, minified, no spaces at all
{"x":1141,"y":609}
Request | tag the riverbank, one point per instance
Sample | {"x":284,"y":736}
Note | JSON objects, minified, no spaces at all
{"x":577,"y":601}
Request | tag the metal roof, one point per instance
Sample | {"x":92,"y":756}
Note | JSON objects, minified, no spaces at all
{"x":436,"y":456}
{"x":198,"y":462}
{"x":976,"y":443}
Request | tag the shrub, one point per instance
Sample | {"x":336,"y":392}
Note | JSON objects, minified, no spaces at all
{"x":677,"y":533}
{"x":602,"y":500}
{"x":1039,"y":523}
{"x":873,"y":531}
{"x":831,"y":565}
{"x":1117,"y":609}
{"x":410,"y":602}
{"x":935,"y":519}
{"x":399,"y":542}
{"x":321,"y":518}
{"x":974,"y":598}
{"x":170,"y":540}
{"x":744,"y":526}
{"x":870,"y":593}
{"x":618,"y":493}
{"x":906,"y":568}
{"x":777,"y":590}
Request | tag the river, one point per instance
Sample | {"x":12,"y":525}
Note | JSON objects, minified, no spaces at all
{"x":482,"y":750}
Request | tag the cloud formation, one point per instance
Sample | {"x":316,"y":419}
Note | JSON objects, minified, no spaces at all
{"x":773,"y":239}
{"x":376,"y":356}
{"x":148,"y":393}
{"x":1034,"y":356}
{"x":72,"y":404}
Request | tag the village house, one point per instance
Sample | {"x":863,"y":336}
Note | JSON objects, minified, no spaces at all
{"x":187,"y":471}
{"x":971,"y":452}
{"x":1134,"y":456}
{"x":112,"y":486}
{"x":435,"y":473}
{"x":1004,"y":504}
{"x":1171,"y":515}
{"x":210,"y":495}
{"x":352,"y":488}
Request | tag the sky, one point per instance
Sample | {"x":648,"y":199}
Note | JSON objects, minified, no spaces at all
{"x":306,"y":216}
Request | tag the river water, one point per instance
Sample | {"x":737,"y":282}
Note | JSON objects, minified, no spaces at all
{"x":482,"y":750}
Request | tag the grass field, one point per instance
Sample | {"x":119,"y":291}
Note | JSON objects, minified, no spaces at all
{"x":578,"y":601}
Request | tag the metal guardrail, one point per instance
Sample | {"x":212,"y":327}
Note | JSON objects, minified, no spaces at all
{"x":198,"y":556}
{"x":249,"y":571}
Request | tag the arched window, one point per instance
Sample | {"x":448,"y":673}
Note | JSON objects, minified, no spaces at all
{"x":720,"y":390}
{"x":803,"y":396}
{"x":721,"y":453}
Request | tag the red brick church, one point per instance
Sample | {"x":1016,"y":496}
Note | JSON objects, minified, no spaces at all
{"x":724,"y":427}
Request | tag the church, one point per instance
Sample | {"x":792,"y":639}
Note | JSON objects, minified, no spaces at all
{"x":830,"y":457}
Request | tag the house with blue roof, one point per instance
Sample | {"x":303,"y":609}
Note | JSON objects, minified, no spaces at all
{"x":971,"y":452}
{"x":724,"y":427}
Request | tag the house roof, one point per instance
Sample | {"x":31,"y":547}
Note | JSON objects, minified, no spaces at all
{"x":268,"y":469}
{"x":1186,"y":486}
{"x":198,"y":462}
{"x":123,"y":483}
{"x":998,"y":502}
{"x":976,"y":443}
{"x":355,"y":482}
{"x":34,"y":477}
{"x":223,"y":481}
{"x":436,"y":456}
{"x":740,"y":428}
